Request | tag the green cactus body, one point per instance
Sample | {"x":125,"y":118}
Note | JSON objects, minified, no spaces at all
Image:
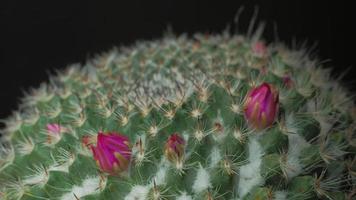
{"x":195,"y":88}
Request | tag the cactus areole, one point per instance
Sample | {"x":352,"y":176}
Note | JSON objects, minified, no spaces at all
{"x":215,"y":117}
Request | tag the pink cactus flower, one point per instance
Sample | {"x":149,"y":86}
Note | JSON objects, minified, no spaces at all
{"x":261,"y":106}
{"x":112,"y":152}
{"x":174,"y":148}
{"x":259,"y":49}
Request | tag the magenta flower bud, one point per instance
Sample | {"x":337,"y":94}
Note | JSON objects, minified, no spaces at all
{"x":174,"y":149}
{"x":53,"y":132}
{"x":261,"y":106}
{"x":54,"y":129}
{"x":112,"y":152}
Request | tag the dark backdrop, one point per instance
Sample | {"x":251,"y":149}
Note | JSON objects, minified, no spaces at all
{"x":40,"y":36}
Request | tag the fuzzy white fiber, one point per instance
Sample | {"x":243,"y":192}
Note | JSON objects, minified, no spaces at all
{"x":215,"y":157}
{"x":61,"y":167}
{"x":89,"y":186}
{"x":160,"y":177}
{"x":138,"y":192}
{"x":250,"y":175}
{"x":202,"y":181}
{"x":296,"y":144}
{"x":280,"y":195}
{"x":184,"y":196}
{"x":40,"y":178}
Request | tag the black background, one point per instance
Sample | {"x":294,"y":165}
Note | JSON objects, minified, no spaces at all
{"x":37,"y":37}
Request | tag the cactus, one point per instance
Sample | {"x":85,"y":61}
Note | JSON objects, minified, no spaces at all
{"x":210,"y":117}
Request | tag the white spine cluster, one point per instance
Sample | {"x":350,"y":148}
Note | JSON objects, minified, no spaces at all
{"x":39,"y":178}
{"x":7,"y":156}
{"x":63,"y":161}
{"x":25,"y":146}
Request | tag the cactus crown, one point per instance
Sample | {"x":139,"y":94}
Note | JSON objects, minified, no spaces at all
{"x":166,"y":119}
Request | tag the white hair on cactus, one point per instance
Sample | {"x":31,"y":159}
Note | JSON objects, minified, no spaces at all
{"x":13,"y":124}
{"x":326,"y":124}
{"x":290,"y":124}
{"x":15,"y":189}
{"x":164,"y":82}
{"x":138,"y":192}
{"x":160,"y":177}
{"x":7,"y":155}
{"x":295,"y":57}
{"x":63,"y":161}
{"x":320,"y":76}
{"x":319,"y":107}
{"x":340,"y":98}
{"x":25,"y":146}
{"x":89,"y":186}
{"x":70,"y":72}
{"x":52,"y":111}
{"x":250,"y":173}
{"x":277,"y":67}
{"x":280,"y":195}
{"x":110,"y":59}
{"x":31,"y":116}
{"x":42,"y":94}
{"x":215,"y":157}
{"x":303,"y":84}
{"x":51,"y":137}
{"x":91,"y":72}
{"x":184,"y":196}
{"x":186,"y":137}
{"x":188,"y":152}
{"x":202,"y":180}
{"x":64,"y":92}
{"x":39,"y":177}
{"x":296,"y":144}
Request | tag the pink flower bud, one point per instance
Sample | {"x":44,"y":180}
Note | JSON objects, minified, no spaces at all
{"x":112,"y":152}
{"x":261,"y":106}
{"x":54,"y":129}
{"x":53,"y":132}
{"x":174,"y":149}
{"x":259,"y":49}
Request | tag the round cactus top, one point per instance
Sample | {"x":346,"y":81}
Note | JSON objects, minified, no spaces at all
{"x":212,"y":117}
